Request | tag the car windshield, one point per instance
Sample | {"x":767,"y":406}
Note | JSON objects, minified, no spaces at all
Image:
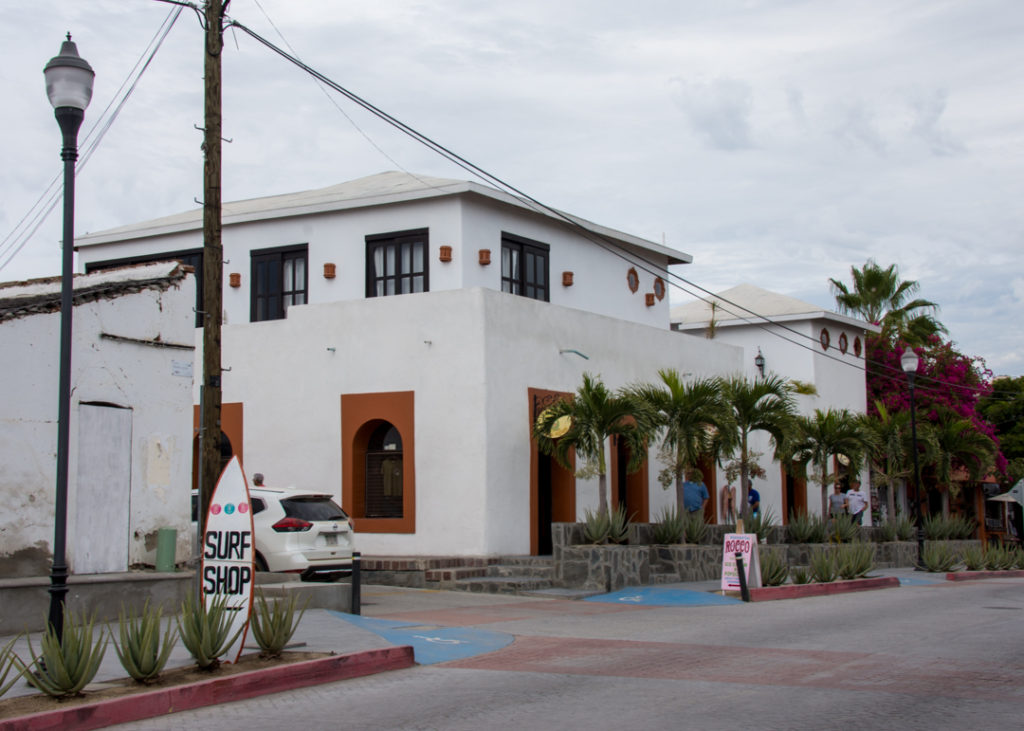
{"x":313,"y":508}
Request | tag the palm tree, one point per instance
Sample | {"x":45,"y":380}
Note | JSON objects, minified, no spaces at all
{"x":887,"y":435}
{"x":763,"y":404}
{"x":589,"y":418}
{"x":958,"y":443}
{"x":878,"y":296}
{"x":686,"y":415}
{"x":825,"y":435}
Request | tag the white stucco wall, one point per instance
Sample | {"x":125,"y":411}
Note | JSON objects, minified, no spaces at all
{"x":470,"y":356}
{"x":137,"y":377}
{"x":467,"y":223}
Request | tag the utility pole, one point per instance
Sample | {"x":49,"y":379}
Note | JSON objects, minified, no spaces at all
{"x":213,"y":261}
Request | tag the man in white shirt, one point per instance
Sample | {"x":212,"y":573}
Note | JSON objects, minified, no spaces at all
{"x":856,"y":501}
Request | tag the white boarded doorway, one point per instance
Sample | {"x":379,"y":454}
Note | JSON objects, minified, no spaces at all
{"x":99,"y":536}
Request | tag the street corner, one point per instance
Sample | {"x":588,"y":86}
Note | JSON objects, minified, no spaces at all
{"x":432,"y":644}
{"x":663,"y":596}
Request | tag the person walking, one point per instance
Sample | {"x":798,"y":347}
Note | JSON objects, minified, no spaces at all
{"x":856,"y":502}
{"x":836,"y":503}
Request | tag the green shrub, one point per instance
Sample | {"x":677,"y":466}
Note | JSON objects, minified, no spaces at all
{"x":142,"y":652}
{"x":855,"y":560}
{"x":800,"y":575}
{"x":939,"y":557}
{"x":273,"y":626}
{"x":774,"y":568}
{"x":694,"y":527}
{"x":824,"y":566}
{"x":206,"y":630}
{"x":936,"y":528}
{"x":7,"y":664}
{"x":962,"y":528}
{"x":618,"y":527}
{"x":843,"y":529}
{"x":973,"y":558}
{"x":759,"y":524}
{"x":1018,"y":558}
{"x":65,"y":666}
{"x":805,"y":528}
{"x":669,"y":527}
{"x":899,"y":528}
{"x":998,"y":558}
{"x":597,"y":526}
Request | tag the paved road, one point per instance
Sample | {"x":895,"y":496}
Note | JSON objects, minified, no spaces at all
{"x":928,"y":655}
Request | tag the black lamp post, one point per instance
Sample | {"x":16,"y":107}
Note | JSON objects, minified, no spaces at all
{"x":909,"y":361}
{"x":69,"y":88}
{"x":759,"y":362}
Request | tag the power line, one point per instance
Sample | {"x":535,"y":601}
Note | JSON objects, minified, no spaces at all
{"x":37,"y":214}
{"x":607,"y":244}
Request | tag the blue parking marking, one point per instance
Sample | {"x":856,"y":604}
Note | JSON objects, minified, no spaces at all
{"x":662,"y":596}
{"x":921,"y":580}
{"x":431,"y":644}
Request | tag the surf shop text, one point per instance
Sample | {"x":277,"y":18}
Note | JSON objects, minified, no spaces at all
{"x":227,"y":546}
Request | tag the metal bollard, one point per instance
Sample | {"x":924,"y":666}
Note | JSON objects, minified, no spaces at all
{"x":744,"y":591}
{"x":357,"y":600}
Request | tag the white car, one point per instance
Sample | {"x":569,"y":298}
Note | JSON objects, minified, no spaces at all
{"x":298,"y":531}
{"x":302,"y":532}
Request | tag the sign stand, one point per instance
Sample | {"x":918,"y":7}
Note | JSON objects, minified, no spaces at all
{"x":742,"y":546}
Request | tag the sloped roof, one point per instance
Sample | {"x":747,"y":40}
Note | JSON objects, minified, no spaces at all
{"x":38,"y":296}
{"x":742,"y":304}
{"x":374,"y":190}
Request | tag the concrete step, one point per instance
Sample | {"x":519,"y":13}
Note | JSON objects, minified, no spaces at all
{"x":449,"y":575}
{"x":525,"y":560}
{"x":502,"y":584}
{"x":540,"y":571}
{"x":665,"y":577}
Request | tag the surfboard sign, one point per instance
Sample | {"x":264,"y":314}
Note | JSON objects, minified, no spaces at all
{"x":228,"y":552}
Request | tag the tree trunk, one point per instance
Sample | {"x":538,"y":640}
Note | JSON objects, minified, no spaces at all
{"x":744,"y":476}
{"x":824,"y":492}
{"x":890,"y":498}
{"x":679,"y":493}
{"x":602,"y":494}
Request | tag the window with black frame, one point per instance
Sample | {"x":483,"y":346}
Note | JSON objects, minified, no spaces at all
{"x":524,"y":267}
{"x":279,"y":280}
{"x":396,"y":263}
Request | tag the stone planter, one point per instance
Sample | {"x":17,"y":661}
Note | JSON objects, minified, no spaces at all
{"x":603,"y":568}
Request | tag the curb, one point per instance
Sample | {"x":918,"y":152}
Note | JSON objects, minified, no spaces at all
{"x":799,"y":591}
{"x":215,"y":691}
{"x":971,"y":575}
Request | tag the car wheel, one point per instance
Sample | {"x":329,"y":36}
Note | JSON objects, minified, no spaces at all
{"x":261,"y":564}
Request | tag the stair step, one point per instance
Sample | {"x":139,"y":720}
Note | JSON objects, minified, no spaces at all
{"x":535,"y":570}
{"x":455,"y":573}
{"x":502,"y":584}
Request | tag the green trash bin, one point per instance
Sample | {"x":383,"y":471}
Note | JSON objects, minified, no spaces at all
{"x":166,"y":545}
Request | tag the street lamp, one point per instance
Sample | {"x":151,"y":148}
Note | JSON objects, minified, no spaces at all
{"x":759,"y":362}
{"x":69,"y":87}
{"x":909,"y":362}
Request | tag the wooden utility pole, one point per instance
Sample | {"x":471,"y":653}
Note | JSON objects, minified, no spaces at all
{"x":213,"y":262}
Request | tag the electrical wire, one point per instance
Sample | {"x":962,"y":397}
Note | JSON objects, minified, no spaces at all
{"x":37,"y":214}
{"x":763,"y":322}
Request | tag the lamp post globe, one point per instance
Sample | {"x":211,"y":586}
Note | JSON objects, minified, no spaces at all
{"x":69,"y":80}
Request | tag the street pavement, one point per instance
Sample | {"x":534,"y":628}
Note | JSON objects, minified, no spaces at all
{"x":930,"y":655}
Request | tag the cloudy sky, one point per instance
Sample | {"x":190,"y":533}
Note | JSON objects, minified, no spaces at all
{"x":778,"y":142}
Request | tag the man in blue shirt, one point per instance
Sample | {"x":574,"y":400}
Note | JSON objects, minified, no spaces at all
{"x":754,"y":501}
{"x":695,"y":493}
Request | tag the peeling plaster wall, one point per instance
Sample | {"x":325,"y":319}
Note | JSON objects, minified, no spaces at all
{"x":127,"y":375}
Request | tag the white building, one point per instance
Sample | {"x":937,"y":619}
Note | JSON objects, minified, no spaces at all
{"x":130,"y":420}
{"x":801,"y":342}
{"x":416,"y":409}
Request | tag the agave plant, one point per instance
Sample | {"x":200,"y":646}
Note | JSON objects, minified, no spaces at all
{"x":694,"y":526}
{"x":64,"y":666}
{"x":855,"y":560}
{"x":274,"y":623}
{"x":973,"y":558}
{"x":824,"y":566}
{"x":759,"y":523}
{"x":1018,"y":557}
{"x":998,"y":558}
{"x":142,"y":651}
{"x":7,"y":663}
{"x":936,"y":528}
{"x":804,"y":528}
{"x":206,"y":630}
{"x":774,"y":568}
{"x":843,"y":529}
{"x":618,"y":526}
{"x":898,"y":528}
{"x":800,"y":575}
{"x":669,"y":527}
{"x":939,"y":557}
{"x":596,"y":526}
